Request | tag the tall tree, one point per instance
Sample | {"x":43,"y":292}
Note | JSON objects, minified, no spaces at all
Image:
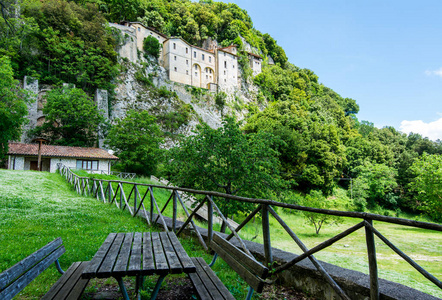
{"x":428,"y":185}
{"x":71,"y":118}
{"x":227,"y":160}
{"x":13,"y":108}
{"x":136,"y":140}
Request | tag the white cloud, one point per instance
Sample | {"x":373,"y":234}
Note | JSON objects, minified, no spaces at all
{"x":435,"y":72}
{"x":432,"y":130}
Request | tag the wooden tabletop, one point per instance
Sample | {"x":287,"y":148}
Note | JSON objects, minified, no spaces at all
{"x":135,"y":254}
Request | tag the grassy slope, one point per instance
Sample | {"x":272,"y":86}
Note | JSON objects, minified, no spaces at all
{"x":36,"y":208}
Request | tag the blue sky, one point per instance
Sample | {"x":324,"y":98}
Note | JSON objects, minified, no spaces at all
{"x":384,"y":54}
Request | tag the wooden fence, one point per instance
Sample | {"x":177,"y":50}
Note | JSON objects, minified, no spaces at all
{"x":104,"y":191}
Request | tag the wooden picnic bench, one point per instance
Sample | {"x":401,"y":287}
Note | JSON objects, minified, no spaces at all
{"x":69,"y":286}
{"x":209,"y":286}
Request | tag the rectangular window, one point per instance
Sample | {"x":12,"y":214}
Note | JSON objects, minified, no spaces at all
{"x":174,"y":57}
{"x":174,"y":46}
{"x":175,"y":69}
{"x":225,"y":64}
{"x":207,"y":76}
{"x":202,"y":56}
{"x":187,"y":61}
{"x":139,"y":28}
{"x":210,"y":58}
{"x":196,"y":67}
{"x":87,"y":164}
{"x":187,"y":72}
{"x":196,"y":73}
{"x":194,"y":54}
{"x":187,"y":50}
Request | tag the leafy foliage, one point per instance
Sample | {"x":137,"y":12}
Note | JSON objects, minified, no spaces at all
{"x":71,"y":118}
{"x":226,"y":160}
{"x":136,"y":140}
{"x":317,"y":200}
{"x":427,"y":185}
{"x":152,"y":46}
{"x":13,"y":108}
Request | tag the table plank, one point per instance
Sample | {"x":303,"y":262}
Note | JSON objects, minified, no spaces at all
{"x":148,"y":262}
{"x":188,"y":265}
{"x":172,"y":258}
{"x":134,"y":267}
{"x":106,"y":269}
{"x":97,"y":260}
{"x":161,"y":265}
{"x":121,"y":265}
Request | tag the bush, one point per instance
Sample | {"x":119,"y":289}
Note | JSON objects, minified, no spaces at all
{"x":152,"y":46}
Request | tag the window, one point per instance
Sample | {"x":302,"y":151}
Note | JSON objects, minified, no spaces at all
{"x":187,"y":72}
{"x":196,"y":73}
{"x":224,"y":53}
{"x":196,"y":67}
{"x":174,"y":57}
{"x":174,"y":46}
{"x":187,"y":50}
{"x":224,"y":72}
{"x":234,"y":66}
{"x":139,"y":28}
{"x":207,"y":70}
{"x":211,"y":71}
{"x":202,"y":56}
{"x":207,"y":76}
{"x":87,"y":164}
{"x":194,"y":54}
{"x":175,"y":69}
{"x":225,"y":64}
{"x":210,"y":58}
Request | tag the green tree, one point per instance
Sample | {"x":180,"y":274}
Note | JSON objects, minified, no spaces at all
{"x":317,"y":200}
{"x":427,"y":185}
{"x":152,"y":46}
{"x":227,"y":160}
{"x":71,"y":118}
{"x":376,"y":184}
{"x":136,"y":140}
{"x":13,"y":108}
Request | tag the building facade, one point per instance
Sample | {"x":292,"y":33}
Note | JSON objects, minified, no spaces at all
{"x":22,"y":156}
{"x":216,"y":68}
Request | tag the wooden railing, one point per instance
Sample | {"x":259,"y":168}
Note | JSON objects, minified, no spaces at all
{"x":103,"y":190}
{"x":122,"y":175}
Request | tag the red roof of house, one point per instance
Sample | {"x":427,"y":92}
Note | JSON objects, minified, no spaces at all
{"x":59,"y":151}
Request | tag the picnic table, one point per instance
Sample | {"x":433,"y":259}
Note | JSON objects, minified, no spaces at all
{"x":139,"y":254}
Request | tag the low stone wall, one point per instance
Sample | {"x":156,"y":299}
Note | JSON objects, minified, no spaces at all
{"x":305,"y":277}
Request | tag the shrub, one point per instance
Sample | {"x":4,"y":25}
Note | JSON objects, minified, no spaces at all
{"x":152,"y":46}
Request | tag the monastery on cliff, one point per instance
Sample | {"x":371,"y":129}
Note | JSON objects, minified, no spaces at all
{"x":212,"y":68}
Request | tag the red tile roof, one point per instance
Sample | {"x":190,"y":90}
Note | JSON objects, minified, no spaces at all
{"x":59,"y":151}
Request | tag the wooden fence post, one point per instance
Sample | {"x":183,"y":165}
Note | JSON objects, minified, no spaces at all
{"x":372,"y":263}
{"x":152,"y":199}
{"x":174,"y":213}
{"x":266,"y":235}
{"x":209,"y":220}
{"x":135,"y":199}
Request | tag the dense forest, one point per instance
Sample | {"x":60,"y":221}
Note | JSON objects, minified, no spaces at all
{"x":306,"y":140}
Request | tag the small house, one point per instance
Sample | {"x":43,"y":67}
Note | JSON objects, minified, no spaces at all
{"x":23,"y":156}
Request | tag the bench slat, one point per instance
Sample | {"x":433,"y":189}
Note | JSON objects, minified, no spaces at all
{"x":70,"y":286}
{"x":148,"y":264}
{"x":182,"y":255}
{"x":97,"y":260}
{"x":255,"y":282}
{"x":213,"y":285}
{"x":123,"y":258}
{"x":135,"y":256}
{"x":172,"y":258}
{"x":253,"y":265}
{"x":158,"y":252}
{"x":108,"y":263}
{"x":23,"y":281}
{"x":19,"y":268}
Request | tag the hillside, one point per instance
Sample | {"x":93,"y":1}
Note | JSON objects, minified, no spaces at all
{"x":226,"y":67}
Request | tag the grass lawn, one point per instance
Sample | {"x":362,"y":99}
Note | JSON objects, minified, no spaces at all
{"x":37,"y":207}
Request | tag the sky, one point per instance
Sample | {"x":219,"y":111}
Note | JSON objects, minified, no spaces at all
{"x":387,"y":55}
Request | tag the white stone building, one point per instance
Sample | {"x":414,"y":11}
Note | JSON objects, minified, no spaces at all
{"x":255,"y":63}
{"x":23,"y":156}
{"x":216,"y":68}
{"x":188,"y":64}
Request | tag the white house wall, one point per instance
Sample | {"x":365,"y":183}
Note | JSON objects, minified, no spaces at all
{"x":227,"y":71}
